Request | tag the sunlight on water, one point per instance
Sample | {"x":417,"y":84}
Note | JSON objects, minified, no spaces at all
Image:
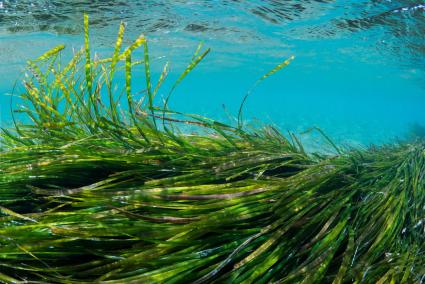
{"x":358,"y":72}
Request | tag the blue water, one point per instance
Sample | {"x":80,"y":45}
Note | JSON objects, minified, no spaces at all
{"x":358,"y":73}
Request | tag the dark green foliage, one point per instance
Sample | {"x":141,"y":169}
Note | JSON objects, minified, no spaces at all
{"x":90,"y":193}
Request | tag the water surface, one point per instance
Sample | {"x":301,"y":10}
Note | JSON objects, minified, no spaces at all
{"x":358,"y":73}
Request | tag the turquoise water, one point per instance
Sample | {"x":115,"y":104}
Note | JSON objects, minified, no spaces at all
{"x":358,"y":73}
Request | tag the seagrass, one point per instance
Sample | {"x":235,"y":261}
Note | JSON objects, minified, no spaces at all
{"x":99,"y":184}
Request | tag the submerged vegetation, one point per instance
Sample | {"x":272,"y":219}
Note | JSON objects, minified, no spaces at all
{"x":94,"y":192}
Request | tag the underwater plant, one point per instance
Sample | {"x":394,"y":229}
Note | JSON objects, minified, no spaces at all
{"x":94,"y":192}
{"x":416,"y":131}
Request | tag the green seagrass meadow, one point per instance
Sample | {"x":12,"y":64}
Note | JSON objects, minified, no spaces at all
{"x":98,"y":184}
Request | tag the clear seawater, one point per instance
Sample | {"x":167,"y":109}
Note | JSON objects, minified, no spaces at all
{"x":358,"y":73}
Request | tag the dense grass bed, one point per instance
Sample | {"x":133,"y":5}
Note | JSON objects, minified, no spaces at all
{"x":92,"y":192}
